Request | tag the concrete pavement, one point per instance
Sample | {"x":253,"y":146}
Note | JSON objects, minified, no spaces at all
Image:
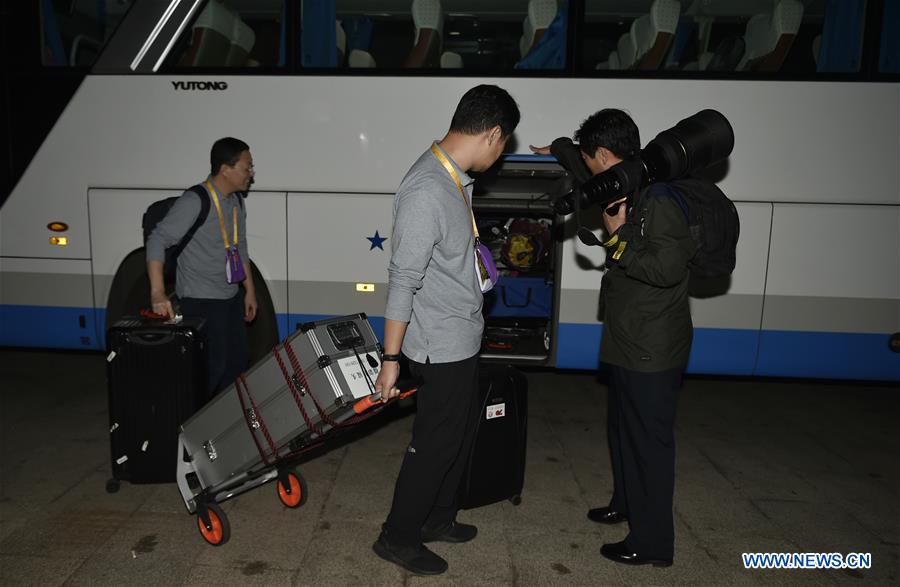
{"x":762,"y":466}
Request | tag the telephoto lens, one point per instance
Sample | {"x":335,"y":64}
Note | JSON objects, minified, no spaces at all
{"x":691,"y":145}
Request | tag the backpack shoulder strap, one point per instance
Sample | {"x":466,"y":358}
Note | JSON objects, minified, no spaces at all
{"x":665,"y":189}
{"x":200,"y":191}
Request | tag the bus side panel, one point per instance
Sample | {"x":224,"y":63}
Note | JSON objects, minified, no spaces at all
{"x":339,"y":249}
{"x":832,"y":292}
{"x":46,"y":303}
{"x":726,"y":312}
{"x":267,"y":244}
{"x":115,"y":216}
{"x":578,"y":346}
{"x":714,"y":350}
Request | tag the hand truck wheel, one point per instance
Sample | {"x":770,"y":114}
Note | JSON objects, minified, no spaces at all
{"x":292,"y":489}
{"x":215,"y":529}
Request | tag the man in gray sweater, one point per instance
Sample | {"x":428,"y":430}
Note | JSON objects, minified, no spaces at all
{"x":433,"y":316}
{"x":201,"y":281}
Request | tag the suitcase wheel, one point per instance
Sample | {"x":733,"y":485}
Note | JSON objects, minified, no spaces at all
{"x":516,"y":499}
{"x":292,"y":489}
{"x":219,"y":531}
{"x":112,"y":485}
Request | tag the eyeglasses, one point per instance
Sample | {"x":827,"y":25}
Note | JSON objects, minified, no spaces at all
{"x":249,"y":169}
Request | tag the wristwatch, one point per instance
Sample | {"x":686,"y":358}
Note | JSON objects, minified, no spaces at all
{"x":388,"y":358}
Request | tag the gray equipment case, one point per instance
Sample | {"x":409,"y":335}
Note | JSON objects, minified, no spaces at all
{"x":284,"y":404}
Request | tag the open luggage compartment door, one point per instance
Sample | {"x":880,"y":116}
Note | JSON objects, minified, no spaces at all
{"x":517,"y":223}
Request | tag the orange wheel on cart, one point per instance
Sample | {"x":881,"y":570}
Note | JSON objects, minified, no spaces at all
{"x":292,"y":490}
{"x":219,"y":530}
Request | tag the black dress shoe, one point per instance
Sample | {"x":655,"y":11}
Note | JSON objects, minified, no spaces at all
{"x":453,"y":532}
{"x":606,"y":515}
{"x":415,"y":559}
{"x":618,"y":552}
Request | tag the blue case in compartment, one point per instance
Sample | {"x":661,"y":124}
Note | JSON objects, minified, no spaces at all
{"x":520,"y":297}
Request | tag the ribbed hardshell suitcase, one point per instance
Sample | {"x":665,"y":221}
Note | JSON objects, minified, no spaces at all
{"x":496,"y":467}
{"x":305,"y":387}
{"x":156,"y":380}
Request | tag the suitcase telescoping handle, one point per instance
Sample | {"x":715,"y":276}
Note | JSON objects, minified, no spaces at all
{"x":406,"y":387}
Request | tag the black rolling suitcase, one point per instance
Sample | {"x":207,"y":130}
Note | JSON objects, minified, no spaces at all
{"x":156,"y":373}
{"x":496,"y":467}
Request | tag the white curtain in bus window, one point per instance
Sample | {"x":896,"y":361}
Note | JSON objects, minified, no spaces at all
{"x":642,"y":37}
{"x":234,"y":34}
{"x":769,"y":36}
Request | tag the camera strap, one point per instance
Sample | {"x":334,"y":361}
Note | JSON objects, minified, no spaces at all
{"x":584,"y":235}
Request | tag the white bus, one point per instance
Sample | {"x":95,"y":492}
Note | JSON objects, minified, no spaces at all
{"x":337,"y":98}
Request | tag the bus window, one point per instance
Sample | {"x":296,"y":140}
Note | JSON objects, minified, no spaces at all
{"x":477,"y":37}
{"x":233,"y":34}
{"x":761,"y":38}
{"x":74,"y":31}
{"x":889,"y":50}
{"x":636,"y":40}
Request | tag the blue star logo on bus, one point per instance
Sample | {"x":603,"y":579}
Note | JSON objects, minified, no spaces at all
{"x":377,"y":241}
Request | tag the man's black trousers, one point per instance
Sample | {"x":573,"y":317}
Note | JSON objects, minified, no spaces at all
{"x":642,"y":448}
{"x":227,"y":350}
{"x":427,"y":488}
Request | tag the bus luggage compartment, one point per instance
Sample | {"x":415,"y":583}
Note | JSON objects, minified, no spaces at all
{"x":516,"y":222}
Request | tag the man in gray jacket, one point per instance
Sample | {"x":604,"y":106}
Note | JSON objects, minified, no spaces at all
{"x":201,"y":281}
{"x":433,"y":316}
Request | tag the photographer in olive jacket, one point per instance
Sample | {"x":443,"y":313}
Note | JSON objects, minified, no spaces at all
{"x":647,"y":334}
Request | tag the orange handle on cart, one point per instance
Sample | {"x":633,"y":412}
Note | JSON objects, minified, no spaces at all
{"x":375,"y":399}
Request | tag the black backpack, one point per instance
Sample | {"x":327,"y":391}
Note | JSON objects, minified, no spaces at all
{"x":158,"y":210}
{"x":713,"y":221}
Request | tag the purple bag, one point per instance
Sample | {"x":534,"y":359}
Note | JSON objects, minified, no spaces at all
{"x":485,"y":268}
{"x":234,"y":268}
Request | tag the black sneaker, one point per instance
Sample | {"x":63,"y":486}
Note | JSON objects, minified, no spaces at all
{"x":453,"y":532}
{"x":415,"y":559}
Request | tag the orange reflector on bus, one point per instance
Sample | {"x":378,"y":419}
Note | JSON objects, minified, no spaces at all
{"x":366,"y":287}
{"x":58,"y":226}
{"x":62,"y":241}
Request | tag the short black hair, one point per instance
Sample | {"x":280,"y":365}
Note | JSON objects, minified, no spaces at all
{"x":484,"y":107}
{"x":226,"y":151}
{"x":611,"y":129}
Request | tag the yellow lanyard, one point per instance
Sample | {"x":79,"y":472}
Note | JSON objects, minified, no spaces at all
{"x":215,"y":198}
{"x":449,"y":167}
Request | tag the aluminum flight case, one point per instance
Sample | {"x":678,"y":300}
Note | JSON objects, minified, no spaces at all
{"x":307,"y":386}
